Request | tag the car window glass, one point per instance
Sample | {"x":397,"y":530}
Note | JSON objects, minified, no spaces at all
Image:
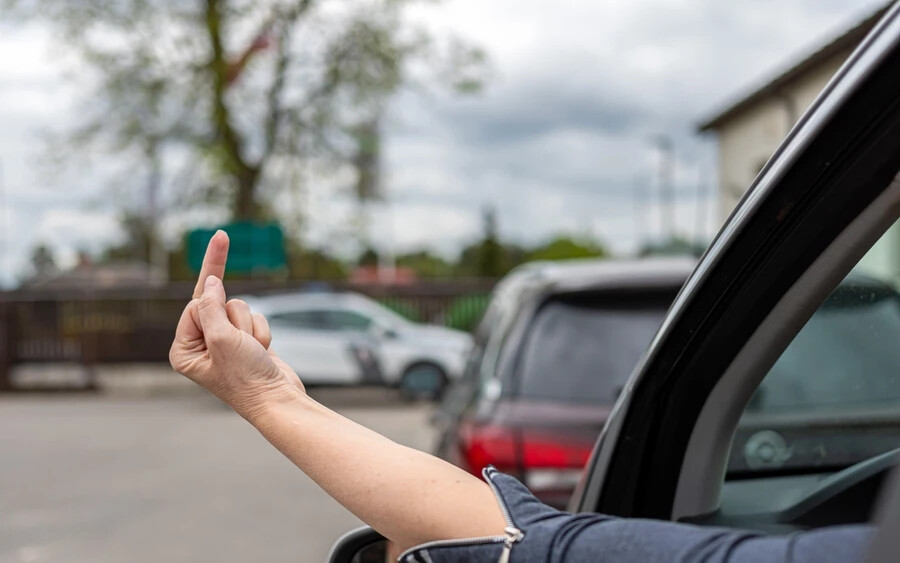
{"x":581,"y":351}
{"x":341,"y":319}
{"x":308,"y":319}
{"x":832,"y":399}
{"x":489,"y":361}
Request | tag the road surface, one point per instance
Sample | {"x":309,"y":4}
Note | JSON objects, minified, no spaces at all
{"x":102,"y":479}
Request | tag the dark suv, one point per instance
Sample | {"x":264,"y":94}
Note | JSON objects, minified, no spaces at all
{"x":551,"y":356}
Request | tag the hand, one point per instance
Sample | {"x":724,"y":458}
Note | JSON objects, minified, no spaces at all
{"x":225,"y":348}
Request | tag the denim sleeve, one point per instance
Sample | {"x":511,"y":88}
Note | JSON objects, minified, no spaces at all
{"x":537,"y":532}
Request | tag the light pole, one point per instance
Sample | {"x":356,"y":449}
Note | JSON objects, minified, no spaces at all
{"x":3,"y":221}
{"x":640,"y":205}
{"x":666,"y":185}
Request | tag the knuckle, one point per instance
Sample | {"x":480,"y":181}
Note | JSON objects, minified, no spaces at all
{"x":218,"y":339}
{"x":207,"y":304}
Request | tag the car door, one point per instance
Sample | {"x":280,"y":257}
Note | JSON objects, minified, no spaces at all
{"x":313,"y":342}
{"x":827,"y":197}
{"x":354,"y":328}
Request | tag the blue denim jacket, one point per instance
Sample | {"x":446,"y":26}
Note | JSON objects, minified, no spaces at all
{"x":536,"y":532}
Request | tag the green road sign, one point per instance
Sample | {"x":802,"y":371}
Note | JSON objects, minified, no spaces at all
{"x":255,"y":247}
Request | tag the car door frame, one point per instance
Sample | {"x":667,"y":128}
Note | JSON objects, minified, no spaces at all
{"x":839,"y":158}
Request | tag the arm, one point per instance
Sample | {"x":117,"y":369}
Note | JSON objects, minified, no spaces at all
{"x":408,"y":496}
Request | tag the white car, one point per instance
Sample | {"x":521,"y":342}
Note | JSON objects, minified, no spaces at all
{"x":346,"y":338}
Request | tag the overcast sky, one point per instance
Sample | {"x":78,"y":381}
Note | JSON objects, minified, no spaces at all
{"x":560,"y":142}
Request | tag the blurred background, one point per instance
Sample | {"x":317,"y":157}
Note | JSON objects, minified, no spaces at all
{"x":379,"y":165}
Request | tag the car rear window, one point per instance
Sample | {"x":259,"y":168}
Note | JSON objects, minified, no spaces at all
{"x":583,"y":349}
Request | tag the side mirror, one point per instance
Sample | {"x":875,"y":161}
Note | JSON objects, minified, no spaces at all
{"x":363,"y":545}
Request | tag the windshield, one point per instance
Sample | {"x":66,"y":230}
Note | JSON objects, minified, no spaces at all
{"x":582,"y":351}
{"x":842,"y":359}
{"x":832,"y":398}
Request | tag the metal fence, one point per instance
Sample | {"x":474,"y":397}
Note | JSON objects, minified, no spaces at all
{"x":92,"y":327}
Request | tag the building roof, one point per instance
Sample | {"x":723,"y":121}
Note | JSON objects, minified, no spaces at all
{"x":845,"y":42}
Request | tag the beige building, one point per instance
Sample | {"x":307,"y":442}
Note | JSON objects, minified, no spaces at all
{"x":748,"y":131}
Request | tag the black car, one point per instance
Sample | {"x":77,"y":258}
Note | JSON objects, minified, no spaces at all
{"x":551,"y":356}
{"x":829,"y":195}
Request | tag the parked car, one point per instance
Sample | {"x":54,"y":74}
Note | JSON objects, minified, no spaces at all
{"x":343,"y":338}
{"x":827,"y":201}
{"x":554,"y":350}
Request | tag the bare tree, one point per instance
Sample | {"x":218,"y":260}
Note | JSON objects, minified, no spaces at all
{"x":247,"y":92}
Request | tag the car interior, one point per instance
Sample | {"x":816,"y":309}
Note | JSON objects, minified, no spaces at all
{"x":818,"y":496}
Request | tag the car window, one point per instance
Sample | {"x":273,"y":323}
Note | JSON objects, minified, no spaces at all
{"x":847,"y":350}
{"x":380,"y":311}
{"x":342,"y":319}
{"x":832,"y":399}
{"x":578,"y":350}
{"x":308,"y":319}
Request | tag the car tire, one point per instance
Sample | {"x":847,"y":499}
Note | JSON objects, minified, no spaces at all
{"x":423,"y":380}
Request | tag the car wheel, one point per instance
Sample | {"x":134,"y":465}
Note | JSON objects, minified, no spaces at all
{"x":422,"y":380}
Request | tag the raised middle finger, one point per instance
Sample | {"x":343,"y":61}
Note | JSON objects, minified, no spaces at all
{"x":213,"y":261}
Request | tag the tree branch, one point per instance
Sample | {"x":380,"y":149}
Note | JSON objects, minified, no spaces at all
{"x":225,"y":133}
{"x":274,"y":111}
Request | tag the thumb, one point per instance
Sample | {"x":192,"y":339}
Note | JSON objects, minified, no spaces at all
{"x":213,"y":318}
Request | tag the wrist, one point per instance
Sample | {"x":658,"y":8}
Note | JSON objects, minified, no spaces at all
{"x":265,"y":402}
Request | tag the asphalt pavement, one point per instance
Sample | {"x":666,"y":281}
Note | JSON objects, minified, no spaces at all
{"x":88,"y":478}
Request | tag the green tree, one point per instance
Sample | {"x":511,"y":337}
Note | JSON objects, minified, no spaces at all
{"x":313,"y":264}
{"x":368,"y":258}
{"x":488,"y":257}
{"x":246,"y":92}
{"x":425,"y":264}
{"x":675,"y":246}
{"x":563,"y":248}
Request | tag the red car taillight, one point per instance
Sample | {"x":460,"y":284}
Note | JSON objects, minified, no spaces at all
{"x":543,"y":461}
{"x":488,"y":445}
{"x":541,"y":450}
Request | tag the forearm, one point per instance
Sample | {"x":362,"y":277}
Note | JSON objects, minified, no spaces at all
{"x":407,"y":495}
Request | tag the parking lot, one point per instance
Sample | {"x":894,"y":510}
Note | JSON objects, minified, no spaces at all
{"x":175,"y":478}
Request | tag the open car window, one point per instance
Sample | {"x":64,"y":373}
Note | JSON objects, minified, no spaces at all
{"x":831,"y":400}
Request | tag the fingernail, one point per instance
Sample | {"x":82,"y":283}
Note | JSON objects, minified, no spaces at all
{"x":211,"y":281}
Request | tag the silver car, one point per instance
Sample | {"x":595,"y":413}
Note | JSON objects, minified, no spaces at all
{"x":346,"y":338}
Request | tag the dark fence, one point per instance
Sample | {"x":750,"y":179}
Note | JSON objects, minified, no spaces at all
{"x":135,"y":325}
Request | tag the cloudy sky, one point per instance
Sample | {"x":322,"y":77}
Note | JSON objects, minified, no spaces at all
{"x":560,"y":142}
